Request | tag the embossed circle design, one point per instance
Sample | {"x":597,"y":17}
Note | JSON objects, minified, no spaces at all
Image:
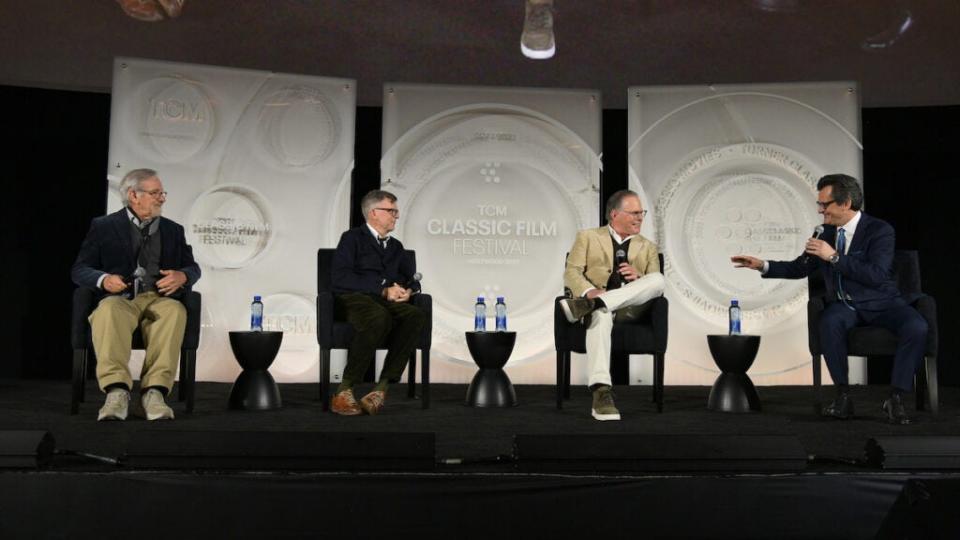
{"x":491,"y":204}
{"x":298,"y":127}
{"x":174,"y":119}
{"x":752,"y":199}
{"x":229,"y":226}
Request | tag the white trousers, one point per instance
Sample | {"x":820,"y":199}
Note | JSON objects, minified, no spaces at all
{"x":635,"y":293}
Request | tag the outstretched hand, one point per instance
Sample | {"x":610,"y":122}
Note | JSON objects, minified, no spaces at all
{"x":746,"y":261}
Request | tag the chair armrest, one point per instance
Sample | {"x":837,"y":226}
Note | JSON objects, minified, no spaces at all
{"x":84,"y":301}
{"x":927,"y":306}
{"x":191,"y":334}
{"x":815,"y":307}
{"x":659,"y":315}
{"x":425,"y":302}
{"x":325,"y":307}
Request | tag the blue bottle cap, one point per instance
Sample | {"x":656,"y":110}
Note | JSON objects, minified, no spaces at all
{"x":479,"y":299}
{"x":734,"y":302}
{"x":256,"y":298}
{"x":499,"y":299}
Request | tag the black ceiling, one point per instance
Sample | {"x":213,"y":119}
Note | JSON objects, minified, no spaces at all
{"x":902,"y":52}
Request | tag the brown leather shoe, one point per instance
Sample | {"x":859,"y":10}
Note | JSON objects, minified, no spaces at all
{"x":345,"y":404}
{"x":372,"y":403}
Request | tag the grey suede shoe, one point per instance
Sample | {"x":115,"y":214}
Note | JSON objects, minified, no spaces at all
{"x":603,"y":407}
{"x":575,"y":309}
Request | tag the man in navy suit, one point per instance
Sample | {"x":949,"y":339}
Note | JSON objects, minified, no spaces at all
{"x":139,"y":263}
{"x":373,"y":282}
{"x":855,"y":255}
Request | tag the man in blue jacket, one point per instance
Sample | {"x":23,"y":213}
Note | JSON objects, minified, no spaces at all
{"x":373,"y":282}
{"x":855,"y":255}
{"x":139,"y":263}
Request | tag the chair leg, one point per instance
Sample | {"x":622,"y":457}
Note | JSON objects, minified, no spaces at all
{"x":566,"y":374}
{"x":920,"y":385}
{"x":817,"y":387}
{"x":658,"y":369}
{"x":930,"y":365}
{"x":79,"y":379}
{"x":412,"y":375}
{"x":425,"y":378}
{"x":188,"y":384}
{"x":559,"y":380}
{"x":325,"y":379}
{"x":181,"y":388}
{"x":656,"y":366}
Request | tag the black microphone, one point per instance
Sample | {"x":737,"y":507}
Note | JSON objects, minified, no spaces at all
{"x":816,"y":234}
{"x":619,"y":258}
{"x":417,"y":276}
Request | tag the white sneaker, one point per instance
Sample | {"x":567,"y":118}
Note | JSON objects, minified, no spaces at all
{"x":154,"y":406}
{"x":116,"y":405}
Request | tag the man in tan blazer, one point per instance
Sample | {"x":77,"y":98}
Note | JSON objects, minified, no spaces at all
{"x":602,"y":292}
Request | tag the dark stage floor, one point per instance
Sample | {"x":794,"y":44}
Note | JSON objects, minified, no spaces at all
{"x":831,"y":493}
{"x":480,"y":434}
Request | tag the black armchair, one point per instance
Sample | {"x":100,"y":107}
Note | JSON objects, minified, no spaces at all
{"x":337,"y":334}
{"x":647,"y":335}
{"x":85,"y":301}
{"x":873,"y":340}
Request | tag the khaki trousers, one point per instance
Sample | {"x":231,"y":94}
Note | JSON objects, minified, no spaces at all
{"x":622,"y":303}
{"x":162,"y":321}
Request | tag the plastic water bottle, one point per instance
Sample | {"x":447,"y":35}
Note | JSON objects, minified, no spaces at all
{"x":501,"y":309}
{"x":734,"y":318}
{"x":256,"y":315}
{"x":480,"y":315}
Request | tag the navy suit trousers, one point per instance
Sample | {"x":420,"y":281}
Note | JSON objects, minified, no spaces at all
{"x":901,"y":319}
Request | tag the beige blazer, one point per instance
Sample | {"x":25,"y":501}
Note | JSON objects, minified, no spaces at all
{"x":590,"y":261}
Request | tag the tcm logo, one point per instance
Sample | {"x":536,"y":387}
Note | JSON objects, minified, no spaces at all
{"x":291,"y":324}
{"x":177,"y":110}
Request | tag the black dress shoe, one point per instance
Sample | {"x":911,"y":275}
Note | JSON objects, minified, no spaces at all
{"x":841,"y":407}
{"x":896,"y":414}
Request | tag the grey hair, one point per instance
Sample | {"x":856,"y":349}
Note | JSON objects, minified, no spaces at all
{"x":372,"y":198}
{"x":845,"y":188}
{"x":615,"y":202}
{"x":132,"y":181}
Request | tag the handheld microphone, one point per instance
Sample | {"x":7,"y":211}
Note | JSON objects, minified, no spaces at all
{"x":619,"y":258}
{"x":413,"y":280}
{"x":133,"y":282}
{"x":816,"y":234}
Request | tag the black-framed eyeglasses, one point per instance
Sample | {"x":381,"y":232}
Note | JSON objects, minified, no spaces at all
{"x":637,"y":213}
{"x":825,"y":205}
{"x":156,"y":194}
{"x":393,"y":211}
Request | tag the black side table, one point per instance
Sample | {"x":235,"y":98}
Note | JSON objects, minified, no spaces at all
{"x":733,"y":391}
{"x":255,"y":388}
{"x":490,"y":386}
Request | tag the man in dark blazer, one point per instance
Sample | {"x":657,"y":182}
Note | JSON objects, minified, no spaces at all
{"x":373,"y":282}
{"x":139,"y":263}
{"x":855,"y":256}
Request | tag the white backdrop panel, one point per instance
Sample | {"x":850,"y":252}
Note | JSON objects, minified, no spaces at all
{"x":493,"y":185}
{"x":732,"y":170}
{"x":258,"y":169}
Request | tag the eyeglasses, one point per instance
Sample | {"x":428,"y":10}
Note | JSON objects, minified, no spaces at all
{"x":636,"y":214}
{"x":393,"y":211}
{"x":825,"y":205}
{"x":156,"y":194}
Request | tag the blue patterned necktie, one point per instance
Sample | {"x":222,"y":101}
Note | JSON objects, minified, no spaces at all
{"x":841,"y":249}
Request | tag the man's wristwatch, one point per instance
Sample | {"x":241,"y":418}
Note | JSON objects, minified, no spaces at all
{"x":834,"y":258}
